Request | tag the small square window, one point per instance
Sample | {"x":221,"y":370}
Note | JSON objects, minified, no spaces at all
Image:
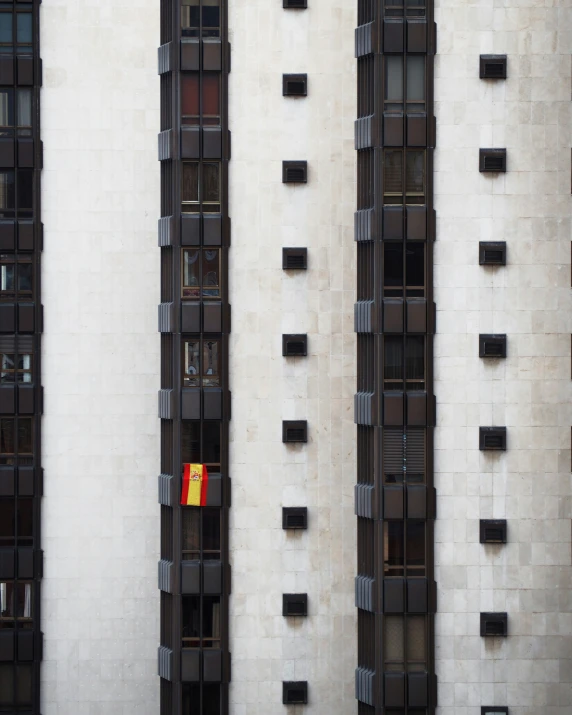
{"x":294,"y":604}
{"x":295,"y":693}
{"x":294,"y":517}
{"x":295,"y":4}
{"x":492,"y":161}
{"x":294,"y":345}
{"x":492,"y":438}
{"x":294,"y":172}
{"x":492,"y":253}
{"x":492,"y":67}
{"x":294,"y":259}
{"x":494,"y":625}
{"x":294,"y":85}
{"x":294,"y":431}
{"x":494,"y":710}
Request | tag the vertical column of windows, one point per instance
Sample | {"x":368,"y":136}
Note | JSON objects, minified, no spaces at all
{"x":196,"y":401}
{"x":394,"y":495}
{"x":20,"y":328}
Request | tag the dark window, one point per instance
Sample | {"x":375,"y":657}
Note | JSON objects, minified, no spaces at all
{"x":200,"y":98}
{"x":201,"y":533}
{"x":404,"y":548}
{"x":404,"y":83}
{"x":15,"y":604}
{"x":201,"y":187}
{"x":201,"y":273}
{"x":404,"y":269}
{"x":410,"y":8}
{"x":404,"y":176}
{"x":15,"y":112}
{"x":208,"y":705}
{"x":15,"y":686}
{"x":200,"y":18}
{"x":201,"y":362}
{"x":192,"y":439}
{"x":404,"y":456}
{"x":15,"y":439}
{"x":405,"y":643}
{"x":16,"y":522}
{"x":16,"y":26}
{"x":404,"y":362}
{"x":16,"y":193}
{"x":15,"y":368}
{"x":201,"y":622}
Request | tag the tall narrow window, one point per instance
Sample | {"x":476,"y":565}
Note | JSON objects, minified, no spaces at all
{"x":415,"y":89}
{"x":201,"y":364}
{"x":201,"y":187}
{"x":200,"y":18}
{"x":201,"y":273}
{"x":393,"y":83}
{"x":403,"y":184}
{"x":404,"y":362}
{"x":405,"y":643}
{"x":404,"y":269}
{"x":190,"y":101}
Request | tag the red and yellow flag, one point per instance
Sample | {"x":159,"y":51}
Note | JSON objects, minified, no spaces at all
{"x":195,"y":485}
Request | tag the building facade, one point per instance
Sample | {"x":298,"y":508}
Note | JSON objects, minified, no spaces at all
{"x":285,"y":379}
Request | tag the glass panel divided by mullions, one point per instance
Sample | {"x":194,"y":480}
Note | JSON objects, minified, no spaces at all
{"x":200,"y":18}
{"x":201,"y":273}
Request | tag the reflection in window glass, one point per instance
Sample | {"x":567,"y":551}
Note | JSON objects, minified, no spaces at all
{"x":211,"y":187}
{"x":6,"y":110}
{"x":191,"y":273}
{"x":7,"y":194}
{"x":393,"y":177}
{"x":211,"y":98}
{"x":211,"y":18}
{"x":190,"y":189}
{"x":192,"y":377}
{"x":190,"y":110}
{"x":24,"y":106}
{"x":5,"y":30}
{"x":211,"y":377}
{"x":415,"y":83}
{"x":190,"y":18}
{"x":211,"y":273}
{"x":24,"y":28}
{"x":415,"y":177}
{"x":393,"y":83}
{"x":7,"y":272}
{"x":9,"y":373}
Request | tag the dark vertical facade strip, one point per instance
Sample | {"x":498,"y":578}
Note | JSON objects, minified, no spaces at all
{"x":20,"y":354}
{"x":395,"y":323}
{"x":194,"y":323}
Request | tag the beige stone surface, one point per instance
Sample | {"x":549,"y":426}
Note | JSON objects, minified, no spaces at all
{"x":266,"y":387}
{"x":530,"y":392}
{"x":100,"y":289}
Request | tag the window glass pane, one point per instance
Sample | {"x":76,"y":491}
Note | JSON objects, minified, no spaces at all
{"x":7,"y":522}
{"x":25,"y":191}
{"x":25,"y":520}
{"x":211,"y":443}
{"x":24,"y":107}
{"x":416,"y":8}
{"x":190,"y":98}
{"x":211,"y":619}
{"x":6,"y":684}
{"x":191,"y":377}
{"x":211,"y":531}
{"x":393,"y":363}
{"x":211,"y":376}
{"x":394,"y":81}
{"x":25,"y":435}
{"x":25,"y":368}
{"x":190,"y":189}
{"x":191,"y":267}
{"x":6,"y":27}
{"x":7,"y":193}
{"x":7,"y":372}
{"x":191,"y":620}
{"x":24,"y":28}
{"x":393,"y":643}
{"x":415,"y":268}
{"x":211,"y":273}
{"x":394,"y":7}
{"x":6,"y":108}
{"x":191,"y":699}
{"x":190,"y":436}
{"x":211,"y":187}
{"x":393,"y":177}
{"x":416,"y":79}
{"x":191,"y":533}
{"x":24,"y":600}
{"x":393,"y":267}
{"x":6,"y":600}
{"x":211,"y":699}
{"x":190,"y":18}
{"x":25,"y":277}
{"x":415,"y":362}
{"x":415,"y":548}
{"x":394,"y":553}
{"x":7,"y":272}
{"x":416,"y":643}
{"x":211,"y":18}
{"x":6,"y":436}
{"x":211,"y":98}
{"x":415,"y":177}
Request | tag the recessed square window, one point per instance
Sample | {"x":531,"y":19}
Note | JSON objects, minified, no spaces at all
{"x":492,"y":346}
{"x":295,"y":4}
{"x":294,"y":345}
{"x":492,"y":531}
{"x":492,"y":160}
{"x":492,"y":438}
{"x":494,"y":624}
{"x":294,"y":259}
{"x":294,"y":604}
{"x":492,"y":253}
{"x":492,"y":67}
{"x":294,"y":85}
{"x":494,"y":710}
{"x":294,"y":172}
{"x":294,"y":517}
{"x":294,"y":431}
{"x":295,"y":693}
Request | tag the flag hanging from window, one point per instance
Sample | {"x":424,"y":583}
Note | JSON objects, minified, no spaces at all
{"x":195,"y":485}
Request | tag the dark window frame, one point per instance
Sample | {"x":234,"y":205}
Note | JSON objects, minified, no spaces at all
{"x":201,"y":378}
{"x":193,"y":523}
{"x":406,"y":194}
{"x":201,"y":118}
{"x":15,"y":127}
{"x":201,"y":640}
{"x":405,"y":105}
{"x":17,"y":373}
{"x":407,"y":289}
{"x":201,"y":290}
{"x":407,"y":568}
{"x":200,"y":204}
{"x":407,"y":664}
{"x":199,"y":445}
{"x":403,"y":383}
{"x":15,"y":47}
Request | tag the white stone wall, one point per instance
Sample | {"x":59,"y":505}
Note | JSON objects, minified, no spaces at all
{"x":100,"y":522}
{"x":266,"y":387}
{"x":530,"y":392}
